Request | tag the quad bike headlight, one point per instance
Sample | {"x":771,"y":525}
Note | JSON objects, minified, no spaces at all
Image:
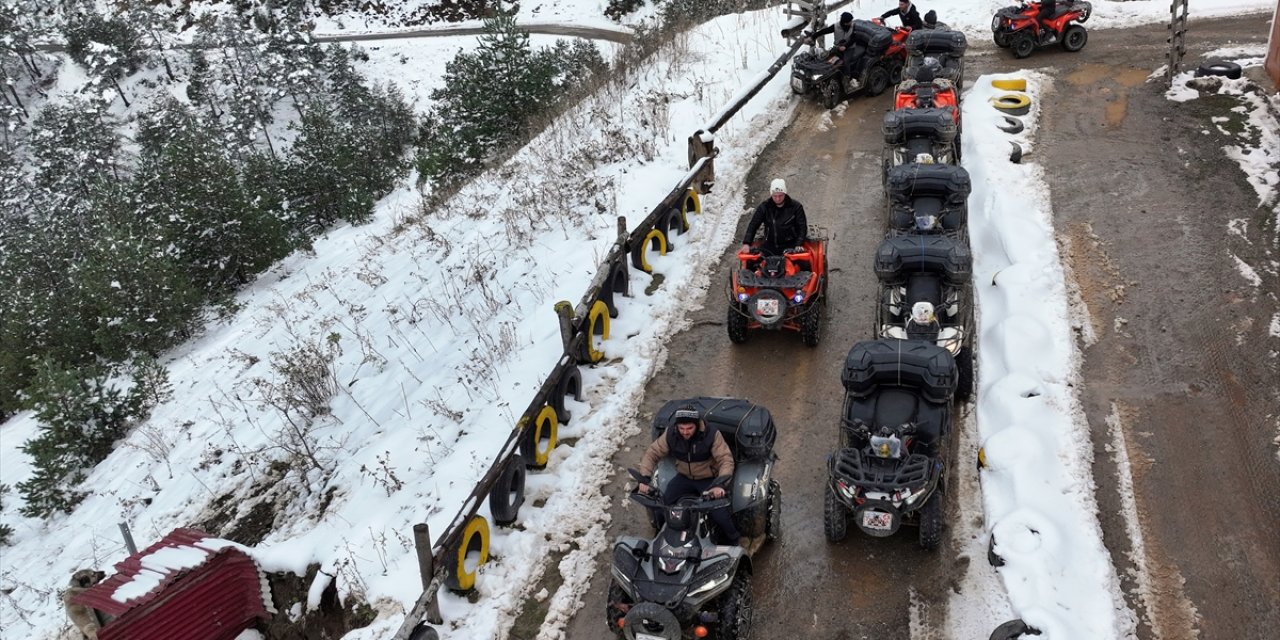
{"x":742,"y":297}
{"x":798,"y":297}
{"x":995,"y":23}
{"x":711,"y":584}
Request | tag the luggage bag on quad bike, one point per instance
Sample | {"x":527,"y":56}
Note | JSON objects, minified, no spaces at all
{"x":786,"y":292}
{"x":924,"y":136}
{"x":946,"y":47}
{"x":889,"y":469}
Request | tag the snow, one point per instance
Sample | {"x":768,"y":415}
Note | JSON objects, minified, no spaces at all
{"x":443,"y":328}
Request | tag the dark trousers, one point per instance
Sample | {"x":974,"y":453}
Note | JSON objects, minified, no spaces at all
{"x":681,"y":486}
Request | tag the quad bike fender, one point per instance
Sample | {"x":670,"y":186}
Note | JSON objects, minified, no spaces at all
{"x":751,"y":483}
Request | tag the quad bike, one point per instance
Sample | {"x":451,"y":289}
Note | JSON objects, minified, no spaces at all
{"x":925,"y":295}
{"x":944,"y":46}
{"x":890,"y":467}
{"x":821,"y":72}
{"x":750,"y":432}
{"x":779,"y":292}
{"x":928,"y":199}
{"x":680,"y":583}
{"x":923,"y":136}
{"x":922,"y":92}
{"x":1017,"y":28}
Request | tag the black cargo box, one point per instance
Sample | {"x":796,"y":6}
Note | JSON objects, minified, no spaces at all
{"x":946,"y":255}
{"x":936,"y":124}
{"x":914,"y":364}
{"x":947,"y":181}
{"x":936,"y":42}
{"x":876,"y":38}
{"x":747,"y":427}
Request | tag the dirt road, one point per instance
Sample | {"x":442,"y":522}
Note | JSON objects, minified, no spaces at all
{"x":1142,"y":201}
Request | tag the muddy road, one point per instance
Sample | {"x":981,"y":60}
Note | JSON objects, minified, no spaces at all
{"x":1173,"y":367}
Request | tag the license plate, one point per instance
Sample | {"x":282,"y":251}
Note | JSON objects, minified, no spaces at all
{"x":767,"y":307}
{"x":877,"y":520}
{"x":648,"y":636}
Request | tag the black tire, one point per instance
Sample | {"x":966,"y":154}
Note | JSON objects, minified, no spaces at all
{"x":773,"y":522}
{"x":835,"y":517}
{"x":993,"y":558}
{"x":736,"y":323}
{"x":832,"y":92}
{"x":1074,"y":38}
{"x":931,"y":522}
{"x":1011,"y":124}
{"x":735,"y":609}
{"x":1014,"y":630}
{"x":1229,"y":70}
{"x":811,"y":324}
{"x":424,"y":631}
{"x":895,"y":72}
{"x":964,"y":374}
{"x":1001,"y":39}
{"x":611,"y":611}
{"x":877,"y":80}
{"x":1023,"y":45}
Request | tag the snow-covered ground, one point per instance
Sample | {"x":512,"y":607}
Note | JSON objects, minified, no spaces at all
{"x":444,"y":328}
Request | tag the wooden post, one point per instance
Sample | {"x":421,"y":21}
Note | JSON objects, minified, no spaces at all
{"x":1177,"y":38}
{"x":426,"y":569}
{"x":564,"y":309}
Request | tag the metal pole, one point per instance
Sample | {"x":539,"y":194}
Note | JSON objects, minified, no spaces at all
{"x":128,"y":539}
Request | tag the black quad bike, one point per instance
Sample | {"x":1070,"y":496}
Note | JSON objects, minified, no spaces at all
{"x":928,"y":198}
{"x":925,"y":294}
{"x":819,"y":71}
{"x":944,"y":46}
{"x":666,"y":587}
{"x":890,"y":467}
{"x":924,"y":136}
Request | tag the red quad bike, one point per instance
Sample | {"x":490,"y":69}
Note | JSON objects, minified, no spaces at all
{"x":1017,"y":28}
{"x":786,"y":292}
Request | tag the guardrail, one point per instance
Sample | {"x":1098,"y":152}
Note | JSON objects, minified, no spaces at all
{"x":583,"y":327}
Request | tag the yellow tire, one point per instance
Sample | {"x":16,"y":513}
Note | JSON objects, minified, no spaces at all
{"x":1014,"y":104}
{"x":597,"y":325}
{"x":692,"y":203}
{"x":475,"y":538}
{"x":654,"y":235}
{"x":1010,"y":84}
{"x":982,"y":458}
{"x":545,"y":427}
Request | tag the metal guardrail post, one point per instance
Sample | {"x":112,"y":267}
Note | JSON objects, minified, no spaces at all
{"x":128,"y":539}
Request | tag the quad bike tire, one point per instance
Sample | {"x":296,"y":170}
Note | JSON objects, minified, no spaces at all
{"x":877,"y":80}
{"x":811,"y":324}
{"x":895,"y":72}
{"x":736,"y":324}
{"x":964,"y":374}
{"x":1074,"y":38}
{"x":835,"y":518}
{"x":1023,"y":45}
{"x":773,"y":522}
{"x":1001,"y":39}
{"x":931,"y":522}
{"x":735,"y":609}
{"x":832,"y":92}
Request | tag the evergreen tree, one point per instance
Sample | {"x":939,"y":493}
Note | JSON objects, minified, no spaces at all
{"x":109,"y":48}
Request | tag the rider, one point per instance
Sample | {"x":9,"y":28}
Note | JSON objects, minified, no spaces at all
{"x":1047,"y":9}
{"x":846,"y":47}
{"x":907,"y":13}
{"x":703,"y":464}
{"x":783,"y":219}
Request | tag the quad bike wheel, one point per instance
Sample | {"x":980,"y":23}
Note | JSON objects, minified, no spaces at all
{"x":835,"y":518}
{"x":877,"y":80}
{"x":832,"y":92}
{"x":735,"y":609}
{"x":811,"y":324}
{"x":931,"y":522}
{"x":773,"y":525}
{"x":895,"y":72}
{"x":736,"y":323}
{"x":1023,"y":44}
{"x":964,"y":374}
{"x":1001,"y":39}
{"x":1074,"y":37}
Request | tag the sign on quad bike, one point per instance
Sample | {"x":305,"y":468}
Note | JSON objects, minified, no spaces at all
{"x":883,"y":57}
{"x":786,"y":292}
{"x":889,"y":469}
{"x":1017,"y":27}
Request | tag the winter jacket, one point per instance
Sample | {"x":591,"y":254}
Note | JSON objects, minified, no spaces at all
{"x":704,"y":455}
{"x":784,"y":227}
{"x":910,"y":19}
{"x":839,"y":33}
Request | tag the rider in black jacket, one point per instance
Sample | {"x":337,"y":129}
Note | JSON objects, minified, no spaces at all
{"x":783,"y":220}
{"x":907,"y":12}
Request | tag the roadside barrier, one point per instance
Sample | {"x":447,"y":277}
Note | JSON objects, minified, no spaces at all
{"x":453,"y":561}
